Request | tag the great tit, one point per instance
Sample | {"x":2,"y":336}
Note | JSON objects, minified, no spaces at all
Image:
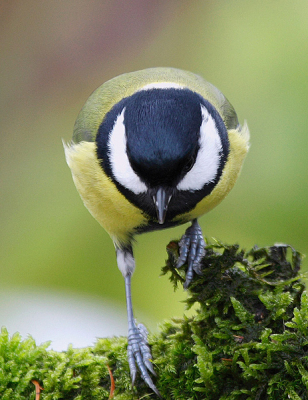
{"x":153,"y":149}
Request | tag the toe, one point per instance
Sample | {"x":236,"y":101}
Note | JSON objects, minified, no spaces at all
{"x":139,"y":355}
{"x":191,"y":251}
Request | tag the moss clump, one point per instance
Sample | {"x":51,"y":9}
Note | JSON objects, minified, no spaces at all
{"x":248,"y":339}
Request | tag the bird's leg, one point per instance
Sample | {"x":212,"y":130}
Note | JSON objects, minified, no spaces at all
{"x":138,"y":351}
{"x":192,"y":250}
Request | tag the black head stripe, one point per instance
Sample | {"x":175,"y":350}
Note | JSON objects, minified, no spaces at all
{"x":162,"y":127}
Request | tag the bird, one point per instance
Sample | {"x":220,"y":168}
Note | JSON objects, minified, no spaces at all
{"x":153,"y":149}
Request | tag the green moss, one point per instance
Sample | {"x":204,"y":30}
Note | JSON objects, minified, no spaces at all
{"x":247,"y":340}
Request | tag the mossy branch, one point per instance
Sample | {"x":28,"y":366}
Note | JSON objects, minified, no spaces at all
{"x":247,"y":340}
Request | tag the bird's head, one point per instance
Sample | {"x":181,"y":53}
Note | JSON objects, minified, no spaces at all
{"x":164,"y":148}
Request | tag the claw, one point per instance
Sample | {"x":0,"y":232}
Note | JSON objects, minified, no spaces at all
{"x":138,"y":350}
{"x":192,"y":250}
{"x":139,"y":354}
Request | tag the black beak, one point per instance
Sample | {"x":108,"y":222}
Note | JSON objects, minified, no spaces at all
{"x":161,"y":200}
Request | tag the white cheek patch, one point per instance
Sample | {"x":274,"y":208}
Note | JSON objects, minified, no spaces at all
{"x":120,"y":166}
{"x":207,"y":162}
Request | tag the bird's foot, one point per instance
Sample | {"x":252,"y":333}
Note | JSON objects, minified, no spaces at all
{"x":192,"y":250}
{"x":139,"y":354}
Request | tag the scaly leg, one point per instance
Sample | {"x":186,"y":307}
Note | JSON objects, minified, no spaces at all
{"x":138,"y":350}
{"x":192,"y":250}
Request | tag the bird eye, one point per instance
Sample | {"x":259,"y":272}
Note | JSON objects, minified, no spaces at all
{"x":188,"y":166}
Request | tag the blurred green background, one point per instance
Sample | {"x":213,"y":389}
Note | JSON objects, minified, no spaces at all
{"x":54,"y":54}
